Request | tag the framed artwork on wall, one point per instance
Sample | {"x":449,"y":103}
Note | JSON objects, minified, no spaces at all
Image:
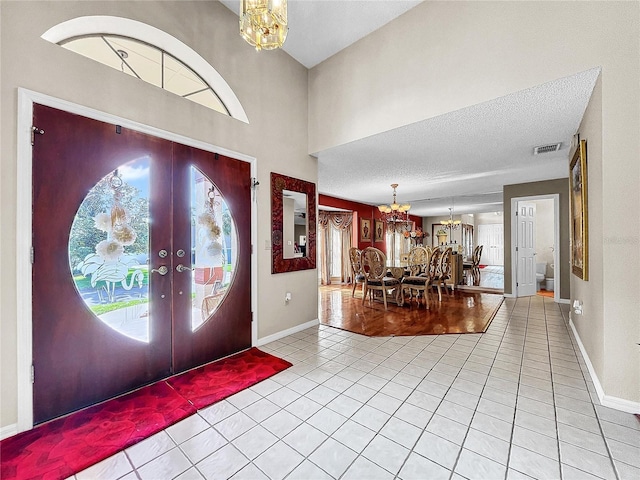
{"x":579,"y":217}
{"x":365,"y":229}
{"x":379,"y":235}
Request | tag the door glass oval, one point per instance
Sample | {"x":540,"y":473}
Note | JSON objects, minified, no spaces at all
{"x":214,"y":248}
{"x":109,"y":249}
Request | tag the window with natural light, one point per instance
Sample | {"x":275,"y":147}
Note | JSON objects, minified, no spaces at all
{"x":148,"y":63}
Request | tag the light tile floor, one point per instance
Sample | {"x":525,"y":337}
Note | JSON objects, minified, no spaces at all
{"x":513,"y":403}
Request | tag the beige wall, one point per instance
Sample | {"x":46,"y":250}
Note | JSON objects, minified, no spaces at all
{"x":443,"y":56}
{"x":271,"y":86}
{"x":609,"y":326}
{"x":488,"y":218}
{"x":591,"y":324}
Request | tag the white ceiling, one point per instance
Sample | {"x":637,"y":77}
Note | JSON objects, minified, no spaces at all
{"x":319,"y":29}
{"x":462,"y":158}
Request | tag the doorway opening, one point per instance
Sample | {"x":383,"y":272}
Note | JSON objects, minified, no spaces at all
{"x":535,"y":240}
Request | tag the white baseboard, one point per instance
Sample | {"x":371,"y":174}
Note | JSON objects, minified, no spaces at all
{"x":8,"y":431}
{"x":287,"y":332}
{"x":564,"y":300}
{"x":508,"y":295}
{"x":606,"y":400}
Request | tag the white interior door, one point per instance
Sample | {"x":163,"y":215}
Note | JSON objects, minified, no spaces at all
{"x":491,"y":236}
{"x":497,"y":244}
{"x":526,"y":251}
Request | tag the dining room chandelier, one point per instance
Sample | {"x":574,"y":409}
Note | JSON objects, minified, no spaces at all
{"x":263,"y":23}
{"x":450,"y":223}
{"x":396,"y":215}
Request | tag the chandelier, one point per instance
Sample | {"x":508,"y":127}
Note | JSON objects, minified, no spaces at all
{"x":263,"y":23}
{"x":451,"y":224}
{"x":396,"y":215}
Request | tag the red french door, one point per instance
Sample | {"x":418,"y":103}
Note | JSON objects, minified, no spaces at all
{"x":141,"y":260}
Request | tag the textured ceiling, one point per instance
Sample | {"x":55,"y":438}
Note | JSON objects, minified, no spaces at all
{"x":462,"y":158}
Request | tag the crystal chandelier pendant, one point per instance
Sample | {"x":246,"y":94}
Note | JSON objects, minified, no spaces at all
{"x":263,"y":23}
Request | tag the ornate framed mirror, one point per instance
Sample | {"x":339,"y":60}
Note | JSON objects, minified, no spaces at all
{"x":293,"y":224}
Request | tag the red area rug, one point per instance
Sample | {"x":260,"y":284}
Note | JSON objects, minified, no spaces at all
{"x":68,"y":445}
{"x":215,"y":381}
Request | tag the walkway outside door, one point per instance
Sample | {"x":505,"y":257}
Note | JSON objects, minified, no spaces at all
{"x":141,"y":260}
{"x":526,"y":250}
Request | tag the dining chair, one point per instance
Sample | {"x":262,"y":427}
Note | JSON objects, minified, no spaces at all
{"x":418,"y":278}
{"x":374,"y":263}
{"x":433,"y":274}
{"x":474,"y":264}
{"x":429,"y":251}
{"x":444,"y":271}
{"x":355,"y":257}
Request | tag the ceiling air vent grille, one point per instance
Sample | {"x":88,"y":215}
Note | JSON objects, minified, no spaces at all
{"x":547,"y":148}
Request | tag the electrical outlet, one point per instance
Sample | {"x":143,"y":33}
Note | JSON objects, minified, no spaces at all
{"x":577,"y":307}
{"x":287,"y":297}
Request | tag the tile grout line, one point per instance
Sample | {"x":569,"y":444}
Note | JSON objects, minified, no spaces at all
{"x":476,"y":408}
{"x":553,"y":393}
{"x":349,"y":346}
{"x":350,"y":418}
{"x":593,"y":405}
{"x":515,"y":407}
{"x":411,"y":450}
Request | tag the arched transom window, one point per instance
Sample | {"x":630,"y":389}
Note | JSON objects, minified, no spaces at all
{"x":154,"y":56}
{"x":148,"y":63}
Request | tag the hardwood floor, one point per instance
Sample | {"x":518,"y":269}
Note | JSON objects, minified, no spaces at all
{"x":462,"y":312}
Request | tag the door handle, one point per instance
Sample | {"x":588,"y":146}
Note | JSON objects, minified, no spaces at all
{"x":181,"y":268}
{"x":163,"y":270}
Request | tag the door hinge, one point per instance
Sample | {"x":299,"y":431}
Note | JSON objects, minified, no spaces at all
{"x":32,"y":255}
{"x":516,"y":249}
{"x":33,"y":373}
{"x":251,"y":316}
{"x":251,"y":249}
{"x":35,"y":130}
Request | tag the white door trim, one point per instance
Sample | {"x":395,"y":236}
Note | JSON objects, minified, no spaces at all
{"x":556,"y":240}
{"x":26,"y":99}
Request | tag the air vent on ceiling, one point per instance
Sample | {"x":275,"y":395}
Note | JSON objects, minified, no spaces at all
{"x":547,"y":148}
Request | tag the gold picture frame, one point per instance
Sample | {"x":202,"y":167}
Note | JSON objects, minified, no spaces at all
{"x":365,"y":229}
{"x":379,"y":231}
{"x":579,"y":212}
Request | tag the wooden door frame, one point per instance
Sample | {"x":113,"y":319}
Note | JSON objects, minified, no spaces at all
{"x":26,"y":99}
{"x":556,"y":240}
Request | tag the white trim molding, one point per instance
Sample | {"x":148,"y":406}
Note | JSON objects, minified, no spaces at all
{"x":287,"y":332}
{"x":26,"y":99}
{"x":606,"y":400}
{"x":108,"y":25}
{"x":8,"y":431}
